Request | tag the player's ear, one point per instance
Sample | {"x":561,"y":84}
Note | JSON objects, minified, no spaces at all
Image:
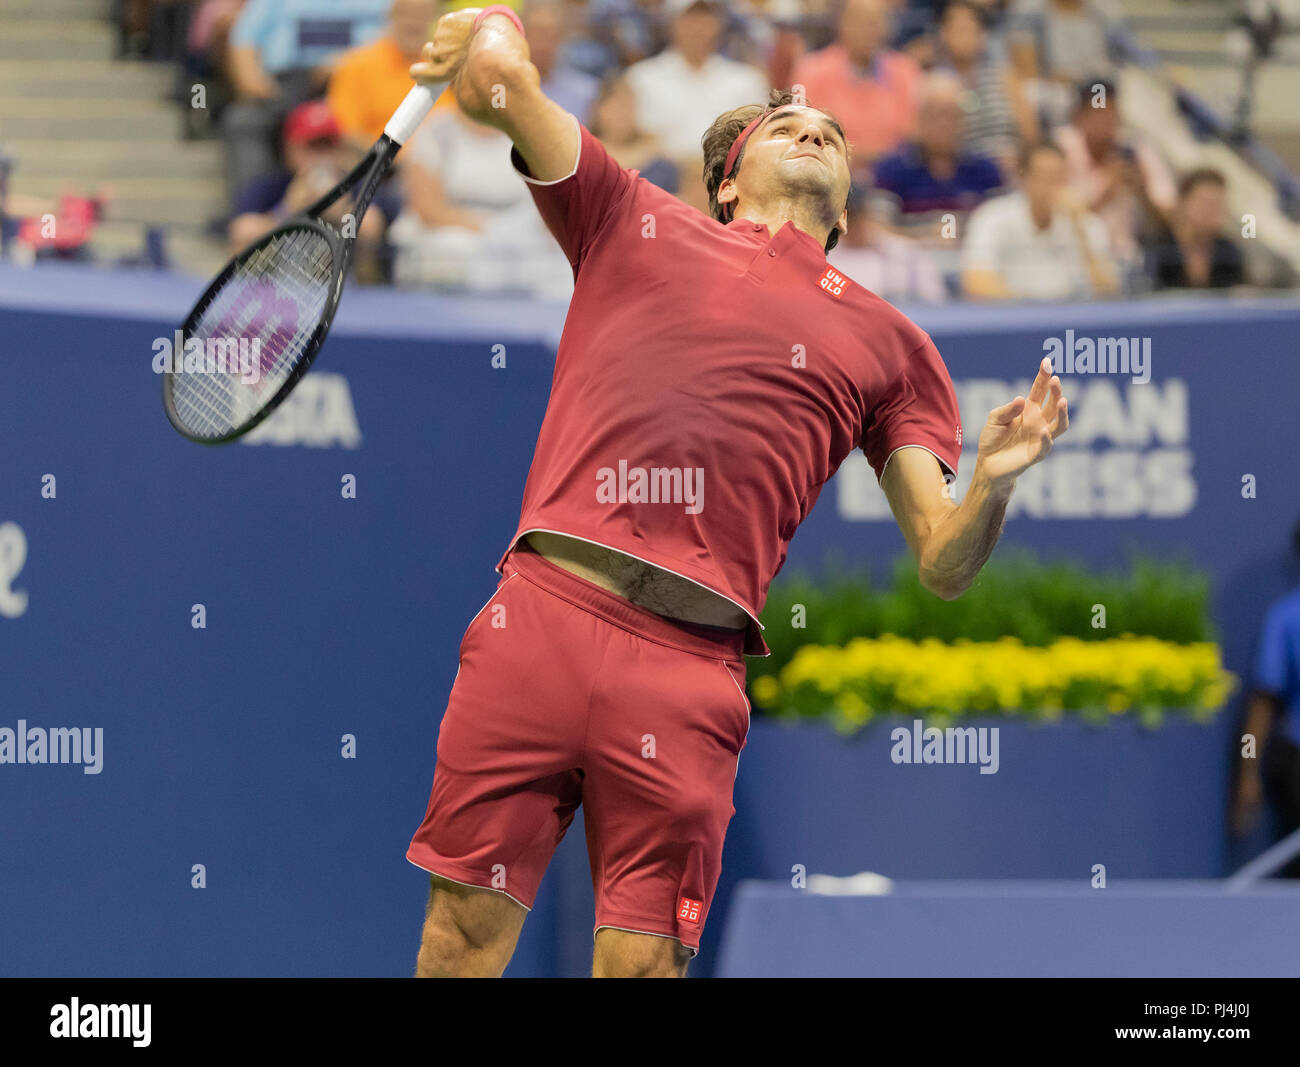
{"x":727,"y":191}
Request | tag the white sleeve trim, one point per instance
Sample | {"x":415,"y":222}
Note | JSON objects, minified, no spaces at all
{"x":556,"y":181}
{"x":942,"y":462}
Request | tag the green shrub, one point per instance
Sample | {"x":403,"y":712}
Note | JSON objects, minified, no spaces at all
{"x":1016,"y":595}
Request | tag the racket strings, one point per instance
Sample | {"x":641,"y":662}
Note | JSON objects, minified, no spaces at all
{"x":254,"y":331}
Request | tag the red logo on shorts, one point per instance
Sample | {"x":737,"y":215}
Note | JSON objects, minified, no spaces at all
{"x":833,"y":283}
{"x":688,"y":910}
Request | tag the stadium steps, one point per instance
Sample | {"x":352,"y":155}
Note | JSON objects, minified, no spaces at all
{"x":77,"y":119}
{"x":1203,"y":51}
{"x":83,"y":80}
{"x":1199,"y":49}
{"x":141,"y":200}
{"x":191,"y":250}
{"x":64,"y":9}
{"x":1149,"y":104}
{"x":110,"y":160}
{"x":133,"y":121}
{"x":42,"y":36}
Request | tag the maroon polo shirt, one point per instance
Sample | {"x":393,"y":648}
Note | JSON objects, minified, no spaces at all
{"x":710,"y":379}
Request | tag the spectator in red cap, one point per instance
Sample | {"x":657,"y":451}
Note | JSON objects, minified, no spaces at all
{"x":281,"y":53}
{"x":315,"y":159}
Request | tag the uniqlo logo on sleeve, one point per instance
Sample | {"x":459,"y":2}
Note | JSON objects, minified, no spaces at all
{"x":833,"y":282}
{"x":688,"y":911}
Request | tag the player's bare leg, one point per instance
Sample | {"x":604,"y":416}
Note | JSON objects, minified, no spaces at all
{"x":620,"y":954}
{"x":468,"y":932}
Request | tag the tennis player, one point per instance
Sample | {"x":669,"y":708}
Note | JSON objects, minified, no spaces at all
{"x":712,"y":375}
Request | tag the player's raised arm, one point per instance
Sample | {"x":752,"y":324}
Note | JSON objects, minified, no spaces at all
{"x":952,"y":542}
{"x":486,"y":58}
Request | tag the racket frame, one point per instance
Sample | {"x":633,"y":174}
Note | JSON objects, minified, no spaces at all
{"x":340,"y":253}
{"x":365,"y":177}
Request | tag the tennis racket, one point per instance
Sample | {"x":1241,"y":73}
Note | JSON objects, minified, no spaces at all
{"x":254,"y":332}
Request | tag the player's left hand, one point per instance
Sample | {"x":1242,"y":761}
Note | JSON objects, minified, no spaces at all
{"x":1020,"y":434}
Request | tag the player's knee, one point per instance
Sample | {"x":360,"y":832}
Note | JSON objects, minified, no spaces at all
{"x":444,"y":950}
{"x":466,"y":932}
{"x":447,"y":950}
{"x":656,"y":968}
{"x":623,"y":955}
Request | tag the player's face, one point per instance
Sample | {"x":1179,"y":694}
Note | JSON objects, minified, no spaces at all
{"x":796,"y":151}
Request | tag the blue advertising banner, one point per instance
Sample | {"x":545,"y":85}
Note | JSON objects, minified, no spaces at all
{"x":229,"y":664}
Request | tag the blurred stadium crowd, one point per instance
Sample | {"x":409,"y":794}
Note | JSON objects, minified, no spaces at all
{"x":990,"y":158}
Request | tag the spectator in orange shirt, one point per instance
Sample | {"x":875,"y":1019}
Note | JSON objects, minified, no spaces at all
{"x":871,"y":89}
{"x":369,"y":82}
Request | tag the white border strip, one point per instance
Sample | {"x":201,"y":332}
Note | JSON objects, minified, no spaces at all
{"x":744,"y":699}
{"x":484,"y":608}
{"x":646,"y":933}
{"x":468,"y":885}
{"x":749,"y":721}
{"x":942,"y":462}
{"x":576,"y":159}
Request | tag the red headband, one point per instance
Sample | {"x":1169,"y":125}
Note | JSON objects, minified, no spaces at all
{"x":739,"y":143}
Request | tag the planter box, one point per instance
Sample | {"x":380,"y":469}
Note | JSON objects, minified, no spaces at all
{"x":1147,"y":803}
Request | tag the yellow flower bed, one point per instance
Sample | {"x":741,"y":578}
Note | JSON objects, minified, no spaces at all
{"x":887,"y":675}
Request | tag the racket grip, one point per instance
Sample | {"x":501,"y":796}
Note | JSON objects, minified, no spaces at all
{"x":411,"y":111}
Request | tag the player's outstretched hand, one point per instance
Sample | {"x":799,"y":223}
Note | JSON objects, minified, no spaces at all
{"x":442,"y":57}
{"x":1019,"y":434}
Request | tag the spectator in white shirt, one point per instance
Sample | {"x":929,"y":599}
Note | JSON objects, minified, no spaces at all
{"x":1038,"y":243}
{"x":686,"y":86}
{"x":469,"y":222}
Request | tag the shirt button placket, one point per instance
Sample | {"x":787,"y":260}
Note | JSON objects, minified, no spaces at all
{"x":761,"y":265}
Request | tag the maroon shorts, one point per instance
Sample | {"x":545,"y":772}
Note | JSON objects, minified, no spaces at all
{"x":567,"y":695}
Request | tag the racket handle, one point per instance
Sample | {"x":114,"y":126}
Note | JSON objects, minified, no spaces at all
{"x":410,"y":113}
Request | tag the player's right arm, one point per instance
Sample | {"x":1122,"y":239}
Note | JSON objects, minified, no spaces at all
{"x":496,"y":83}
